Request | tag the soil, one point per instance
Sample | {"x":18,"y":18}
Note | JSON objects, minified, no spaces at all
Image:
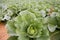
{"x":3,"y":32}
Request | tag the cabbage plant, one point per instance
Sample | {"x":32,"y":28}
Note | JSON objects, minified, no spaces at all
{"x":28,"y":26}
{"x":8,"y":12}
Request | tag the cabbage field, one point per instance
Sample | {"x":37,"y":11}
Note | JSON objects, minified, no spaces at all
{"x":31,"y":19}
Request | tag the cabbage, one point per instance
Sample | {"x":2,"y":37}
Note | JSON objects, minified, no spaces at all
{"x":8,"y":12}
{"x":28,"y":26}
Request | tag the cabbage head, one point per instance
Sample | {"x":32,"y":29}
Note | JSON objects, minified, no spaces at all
{"x":28,"y":26}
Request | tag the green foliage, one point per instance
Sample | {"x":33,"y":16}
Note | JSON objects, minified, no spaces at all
{"x":29,"y":26}
{"x":30,"y":19}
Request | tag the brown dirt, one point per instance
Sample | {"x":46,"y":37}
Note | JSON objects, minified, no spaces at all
{"x":3,"y":32}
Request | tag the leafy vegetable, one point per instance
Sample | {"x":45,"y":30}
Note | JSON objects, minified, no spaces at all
{"x":29,"y":26}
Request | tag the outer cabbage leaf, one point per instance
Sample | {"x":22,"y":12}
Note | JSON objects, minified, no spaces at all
{"x":52,"y":22}
{"x":13,"y":38}
{"x":11,"y":28}
{"x":44,"y":35}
